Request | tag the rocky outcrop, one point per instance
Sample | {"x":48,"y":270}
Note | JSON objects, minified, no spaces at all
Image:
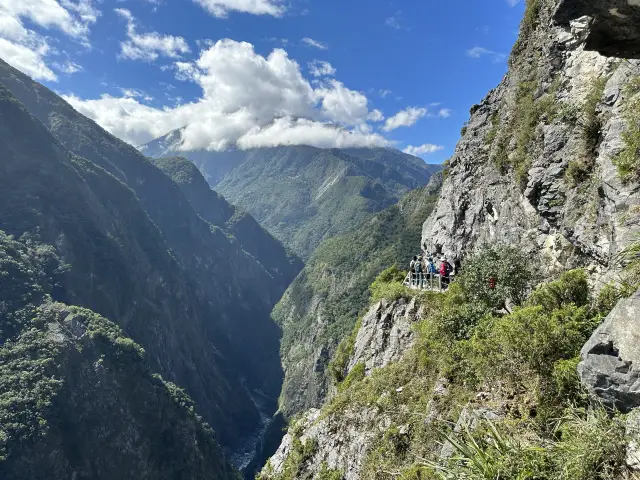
{"x":323,"y":303}
{"x":610,"y":366}
{"x":614,"y":24}
{"x":385,"y":334}
{"x":535,"y":165}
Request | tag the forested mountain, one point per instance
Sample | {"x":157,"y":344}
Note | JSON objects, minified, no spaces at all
{"x":77,"y":397}
{"x":212,"y":207}
{"x":303,"y":195}
{"x":322,"y":305}
{"x":527,"y":366}
{"x":141,"y":256}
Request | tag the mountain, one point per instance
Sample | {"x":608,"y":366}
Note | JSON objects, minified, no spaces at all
{"x":322,"y":305}
{"x":524,"y":368}
{"x":77,"y":397}
{"x":303,"y":195}
{"x":140,"y":255}
{"x":212,"y":207}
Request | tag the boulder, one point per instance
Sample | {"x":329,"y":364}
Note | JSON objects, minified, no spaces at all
{"x":610,"y":366}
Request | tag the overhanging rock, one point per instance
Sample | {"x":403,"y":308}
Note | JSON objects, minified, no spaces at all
{"x":615,"y":26}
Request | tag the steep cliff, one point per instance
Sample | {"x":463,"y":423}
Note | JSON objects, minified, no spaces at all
{"x":549,"y":164}
{"x":141,"y":256}
{"x":212,"y":207}
{"x":77,"y":397}
{"x":548,"y":159}
{"x":332,"y":290}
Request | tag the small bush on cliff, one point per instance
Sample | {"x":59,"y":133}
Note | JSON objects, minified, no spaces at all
{"x":388,"y":285}
{"x":495,"y":274}
{"x":628,"y":160}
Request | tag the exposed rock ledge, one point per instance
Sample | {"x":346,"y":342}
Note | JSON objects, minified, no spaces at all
{"x":615,"y":24}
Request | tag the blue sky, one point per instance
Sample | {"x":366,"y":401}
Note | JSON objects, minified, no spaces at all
{"x":262,"y":72}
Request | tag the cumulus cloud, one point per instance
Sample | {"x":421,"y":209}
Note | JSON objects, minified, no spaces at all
{"x":221,"y":8}
{"x":314,"y":43}
{"x":404,"y":118}
{"x":27,"y":50}
{"x":148,"y":46}
{"x":376,"y":116}
{"x":318,"y":68}
{"x":247,"y":100}
{"x":444,"y":112}
{"x":68,"y":67}
{"x":478,"y":52}
{"x":425,"y":149}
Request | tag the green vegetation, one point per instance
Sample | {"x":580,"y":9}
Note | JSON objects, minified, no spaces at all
{"x":628,"y":160}
{"x":334,"y":287}
{"x":496,"y":273}
{"x":304,"y":195}
{"x":495,"y":127}
{"x":529,"y":112}
{"x":524,"y":362}
{"x":580,"y":169}
{"x":71,"y":377}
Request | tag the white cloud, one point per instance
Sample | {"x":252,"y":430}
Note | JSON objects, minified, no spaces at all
{"x":27,"y":60}
{"x":221,"y":8}
{"x":72,"y":18}
{"x":247,"y":100}
{"x":384,"y":93}
{"x":425,"y":149}
{"x":444,"y":112}
{"x":396,"y":22}
{"x":342,"y":105}
{"x":68,"y":67}
{"x":376,"y":116}
{"x":135,"y":93}
{"x":318,"y":68}
{"x":314,"y":43}
{"x":27,"y":50}
{"x":513,"y":3}
{"x":404,"y":118}
{"x":148,"y":46}
{"x":477,"y":52}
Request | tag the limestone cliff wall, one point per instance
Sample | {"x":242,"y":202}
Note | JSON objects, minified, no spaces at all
{"x":536,"y":163}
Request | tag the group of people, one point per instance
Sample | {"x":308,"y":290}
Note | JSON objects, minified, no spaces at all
{"x":425,"y":270}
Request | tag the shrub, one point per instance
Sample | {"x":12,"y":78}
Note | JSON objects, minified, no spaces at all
{"x":628,"y":160}
{"x":338,"y":364}
{"x":529,"y":342}
{"x":571,"y":288}
{"x":583,"y":447}
{"x":507,"y":265}
{"x":356,"y":374}
{"x":388,"y":285}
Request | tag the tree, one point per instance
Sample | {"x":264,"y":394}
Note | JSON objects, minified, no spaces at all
{"x":496,"y":273}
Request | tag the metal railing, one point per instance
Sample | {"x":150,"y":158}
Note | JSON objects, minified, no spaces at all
{"x":427,"y":281}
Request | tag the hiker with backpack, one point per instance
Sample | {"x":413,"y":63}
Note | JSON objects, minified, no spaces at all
{"x":418,"y":271}
{"x":445,"y":272}
{"x":412,"y":269}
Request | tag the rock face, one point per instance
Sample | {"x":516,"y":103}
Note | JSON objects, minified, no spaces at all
{"x":343,"y":439}
{"x":324,"y":302}
{"x":385,"y":334}
{"x":535,"y":165}
{"x":610,"y":366}
{"x":614,"y":28}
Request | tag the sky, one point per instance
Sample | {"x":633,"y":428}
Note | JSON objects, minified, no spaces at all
{"x":253,"y":73}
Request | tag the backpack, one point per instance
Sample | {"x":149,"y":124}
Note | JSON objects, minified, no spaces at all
{"x":443,"y":269}
{"x":448,"y":268}
{"x":417,"y":267}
